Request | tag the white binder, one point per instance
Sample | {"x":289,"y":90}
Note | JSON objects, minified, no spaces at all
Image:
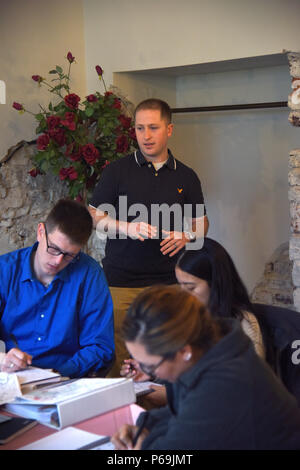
{"x":59,"y":407}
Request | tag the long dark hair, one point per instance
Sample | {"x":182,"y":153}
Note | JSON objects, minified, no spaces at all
{"x":228,"y":294}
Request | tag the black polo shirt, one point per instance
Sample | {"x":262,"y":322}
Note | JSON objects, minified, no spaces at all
{"x":133,"y":263}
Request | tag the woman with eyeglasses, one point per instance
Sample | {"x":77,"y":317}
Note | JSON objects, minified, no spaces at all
{"x":222,"y":395}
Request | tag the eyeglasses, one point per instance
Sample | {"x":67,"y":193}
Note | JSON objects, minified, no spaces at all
{"x":150,"y":369}
{"x":52,"y":250}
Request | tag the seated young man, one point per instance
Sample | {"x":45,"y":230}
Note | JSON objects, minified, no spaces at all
{"x":55,"y":306}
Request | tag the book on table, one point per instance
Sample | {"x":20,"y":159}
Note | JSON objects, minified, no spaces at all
{"x":11,"y":427}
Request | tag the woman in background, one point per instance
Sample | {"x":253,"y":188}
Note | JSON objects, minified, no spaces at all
{"x":210,"y":274}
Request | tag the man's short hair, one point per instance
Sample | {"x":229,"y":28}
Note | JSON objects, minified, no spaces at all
{"x":72,"y":219}
{"x":154,"y":103}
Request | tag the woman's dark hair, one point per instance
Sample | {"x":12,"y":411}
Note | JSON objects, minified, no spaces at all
{"x":72,"y":219}
{"x":228,"y":294}
{"x":166,"y":318}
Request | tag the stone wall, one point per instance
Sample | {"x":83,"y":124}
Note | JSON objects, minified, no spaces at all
{"x":25,"y":201}
{"x":294,"y":178}
{"x":276,"y":285}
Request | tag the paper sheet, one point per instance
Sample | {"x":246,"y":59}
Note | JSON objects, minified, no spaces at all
{"x":34,"y":374}
{"x":68,"y":439}
{"x":9,"y":387}
{"x":141,"y":388}
{"x":55,"y":395}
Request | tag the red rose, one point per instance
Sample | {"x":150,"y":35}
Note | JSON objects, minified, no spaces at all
{"x":72,"y":100}
{"x":117,"y":103}
{"x":122,"y":144}
{"x":37,"y":78}
{"x":18,"y":106}
{"x":79,"y":198}
{"x":90,"y":153}
{"x":107,"y":94}
{"x":58,"y":136}
{"x":69,"y":121}
{"x":72,"y":154}
{"x":70,"y":57}
{"x":132,"y":133}
{"x":34,"y":172}
{"x":92,"y":98}
{"x":53,"y":122}
{"x":125,"y":121}
{"x":43,"y":141}
{"x":70,"y":173}
{"x":73,"y":175}
{"x":107,"y":162}
{"x":99,"y":70}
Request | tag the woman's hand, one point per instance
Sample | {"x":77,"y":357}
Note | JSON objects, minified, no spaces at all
{"x":131,"y":370}
{"x":123,"y":438}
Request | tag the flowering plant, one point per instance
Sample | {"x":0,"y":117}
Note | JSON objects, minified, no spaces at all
{"x":79,"y":138}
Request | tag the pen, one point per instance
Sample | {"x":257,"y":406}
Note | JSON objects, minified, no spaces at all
{"x":140,"y":428}
{"x":57,"y":383}
{"x":14,"y":340}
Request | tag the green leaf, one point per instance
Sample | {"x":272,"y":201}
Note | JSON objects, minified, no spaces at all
{"x":59,"y":69}
{"x":53,"y":71}
{"x":39,"y":117}
{"x":89,"y":111}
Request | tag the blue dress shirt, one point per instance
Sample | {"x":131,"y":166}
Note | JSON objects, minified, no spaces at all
{"x":67,"y":326}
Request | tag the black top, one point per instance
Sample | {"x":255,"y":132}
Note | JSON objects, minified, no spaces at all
{"x":136,"y":191}
{"x":230,"y":399}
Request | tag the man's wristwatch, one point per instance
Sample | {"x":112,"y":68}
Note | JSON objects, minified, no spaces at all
{"x":190,"y":236}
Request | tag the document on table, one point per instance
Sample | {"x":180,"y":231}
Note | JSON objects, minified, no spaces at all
{"x":9,"y":388}
{"x":35,"y":374}
{"x":54,"y":395}
{"x":142,"y":388}
{"x":71,"y":439}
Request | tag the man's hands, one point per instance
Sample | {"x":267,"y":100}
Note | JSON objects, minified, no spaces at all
{"x":123,"y":438}
{"x":15,"y":360}
{"x":173,"y":243}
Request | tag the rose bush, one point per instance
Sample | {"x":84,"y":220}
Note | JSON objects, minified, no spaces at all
{"x":78,"y":138}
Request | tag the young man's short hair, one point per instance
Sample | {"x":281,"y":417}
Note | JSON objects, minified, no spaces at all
{"x":154,"y":103}
{"x":72,"y":219}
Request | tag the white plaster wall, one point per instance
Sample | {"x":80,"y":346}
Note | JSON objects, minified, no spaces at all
{"x":36,"y":35}
{"x":241,"y":158}
{"x":125,"y":35}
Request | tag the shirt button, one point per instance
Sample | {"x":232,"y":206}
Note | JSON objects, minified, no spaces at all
{"x":39,"y":338}
{"x":156,"y":174}
{"x":149,"y":165}
{"x":42,"y":316}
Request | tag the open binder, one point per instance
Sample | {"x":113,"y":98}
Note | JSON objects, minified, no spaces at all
{"x":59,"y":407}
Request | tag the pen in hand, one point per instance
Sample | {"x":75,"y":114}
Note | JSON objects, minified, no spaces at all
{"x":14,"y":340}
{"x":140,"y":429}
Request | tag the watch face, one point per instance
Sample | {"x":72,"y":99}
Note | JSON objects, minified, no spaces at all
{"x":190,"y":236}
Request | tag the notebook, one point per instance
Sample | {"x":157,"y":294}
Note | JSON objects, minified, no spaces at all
{"x":10,"y":427}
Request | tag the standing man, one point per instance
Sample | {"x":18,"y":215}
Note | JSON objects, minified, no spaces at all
{"x":150,"y":183}
{"x":55,"y":305}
